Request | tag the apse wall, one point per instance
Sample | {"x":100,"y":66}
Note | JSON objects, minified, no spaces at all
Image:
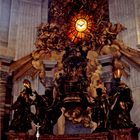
{"x":18,"y":22}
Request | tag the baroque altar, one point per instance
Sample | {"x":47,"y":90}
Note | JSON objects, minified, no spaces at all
{"x":78,"y":59}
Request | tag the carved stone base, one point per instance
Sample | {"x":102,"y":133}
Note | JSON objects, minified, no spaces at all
{"x":17,"y":136}
{"x":121,"y":134}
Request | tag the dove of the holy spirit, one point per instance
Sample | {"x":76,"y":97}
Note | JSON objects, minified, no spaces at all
{"x":81,"y":25}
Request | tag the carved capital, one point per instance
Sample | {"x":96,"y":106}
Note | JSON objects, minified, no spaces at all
{"x":106,"y":61}
{"x":4,"y":67}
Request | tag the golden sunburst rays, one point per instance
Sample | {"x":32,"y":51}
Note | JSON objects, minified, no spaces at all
{"x":80,"y":25}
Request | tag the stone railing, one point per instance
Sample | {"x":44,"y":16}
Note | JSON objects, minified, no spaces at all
{"x":121,"y":134}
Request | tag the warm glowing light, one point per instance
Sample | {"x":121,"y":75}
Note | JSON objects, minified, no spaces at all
{"x":81,"y":25}
{"x":118,"y":73}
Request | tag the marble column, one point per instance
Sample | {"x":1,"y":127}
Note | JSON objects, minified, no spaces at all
{"x":106,"y":62}
{"x":44,"y":11}
{"x":5,"y":94}
{"x":49,"y":69}
{"x":25,"y":17}
{"x":137,"y":20}
{"x":123,"y":11}
{"x":5,"y":8}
